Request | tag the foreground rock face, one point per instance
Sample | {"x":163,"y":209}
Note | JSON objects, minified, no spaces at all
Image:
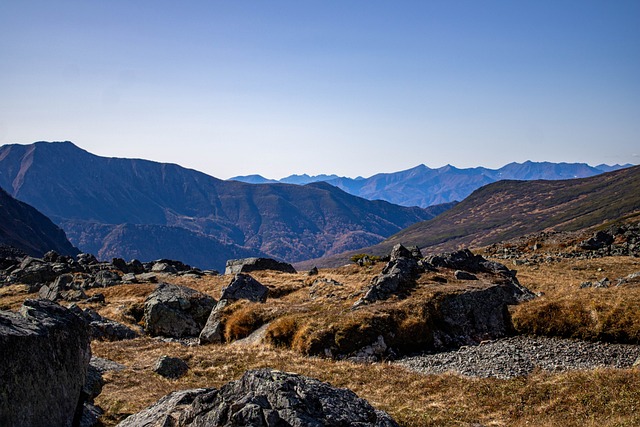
{"x":176,"y":311}
{"x":248,"y":265}
{"x":44,"y":354}
{"x":263,"y":398}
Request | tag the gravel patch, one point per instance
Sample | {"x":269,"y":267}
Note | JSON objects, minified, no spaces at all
{"x":521,"y":355}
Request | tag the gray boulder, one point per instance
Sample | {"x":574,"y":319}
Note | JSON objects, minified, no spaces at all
{"x":176,"y":311}
{"x":245,"y":287}
{"x":248,"y":265}
{"x":398,"y":275}
{"x":263,"y":398}
{"x":170,"y":367}
{"x":45,"y":354}
{"x":103,"y":329}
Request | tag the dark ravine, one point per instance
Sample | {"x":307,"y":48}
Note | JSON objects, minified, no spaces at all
{"x":115,"y":205}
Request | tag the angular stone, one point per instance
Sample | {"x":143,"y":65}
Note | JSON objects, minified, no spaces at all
{"x":176,"y":311}
{"x":248,"y":265}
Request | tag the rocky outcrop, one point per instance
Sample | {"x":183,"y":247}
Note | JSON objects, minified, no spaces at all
{"x":263,"y":398}
{"x":45,"y":352}
{"x":398,"y":275}
{"x":248,"y":265}
{"x":242,"y":287}
{"x":176,"y":311}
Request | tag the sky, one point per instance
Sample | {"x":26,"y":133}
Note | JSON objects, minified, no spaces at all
{"x":349,"y":87}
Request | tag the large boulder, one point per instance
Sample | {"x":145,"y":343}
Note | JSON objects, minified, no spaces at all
{"x":245,"y":287}
{"x":45,"y":353}
{"x":248,"y":265}
{"x":176,"y":311}
{"x":263,"y":398}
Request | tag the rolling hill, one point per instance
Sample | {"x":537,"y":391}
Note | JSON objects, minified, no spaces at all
{"x":508,"y":209}
{"x":423,"y":186}
{"x":92,"y":197}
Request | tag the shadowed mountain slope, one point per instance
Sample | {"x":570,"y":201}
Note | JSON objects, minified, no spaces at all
{"x":83,"y":193}
{"x":508,"y":209}
{"x":423,"y":186}
{"x":23,"y":227}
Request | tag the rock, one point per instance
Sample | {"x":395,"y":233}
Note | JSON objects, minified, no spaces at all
{"x":134,"y":266}
{"x":103,"y":329}
{"x":400,"y":251}
{"x":62,"y":289}
{"x":585,"y":285}
{"x":86,"y":259}
{"x":106,"y":365}
{"x":33,"y":272}
{"x":161,"y":267}
{"x":263,"y":398}
{"x":313,"y":271}
{"x":106,"y":278}
{"x":120,"y":264}
{"x":176,"y":311}
{"x":474,"y":315}
{"x":248,"y":265}
{"x":171,"y":367}
{"x":604,"y":283}
{"x":212,"y":331}
{"x":398,"y":275}
{"x":245,"y":287}
{"x":463,"y":275}
{"x":129,"y":278}
{"x":45,"y":354}
{"x":598,"y":241}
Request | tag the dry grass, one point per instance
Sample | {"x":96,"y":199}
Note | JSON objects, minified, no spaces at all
{"x":305,"y":313}
{"x":599,"y":397}
{"x":608,"y":314}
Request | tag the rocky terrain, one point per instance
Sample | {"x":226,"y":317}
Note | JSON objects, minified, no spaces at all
{"x":520,"y":356}
{"x":196,"y":342}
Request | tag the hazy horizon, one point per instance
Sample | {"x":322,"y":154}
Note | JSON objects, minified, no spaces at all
{"x":346,"y":88}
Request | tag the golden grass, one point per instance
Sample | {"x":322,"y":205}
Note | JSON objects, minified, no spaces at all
{"x":305,"y":315}
{"x":607,"y":314}
{"x":604,"y":397}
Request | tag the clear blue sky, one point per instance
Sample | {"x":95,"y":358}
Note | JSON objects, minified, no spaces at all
{"x":346,"y":87}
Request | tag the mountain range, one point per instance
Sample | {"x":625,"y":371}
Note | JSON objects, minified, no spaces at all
{"x":508,"y":209}
{"x":24,"y":228}
{"x":423,"y":186}
{"x":134,"y":208}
